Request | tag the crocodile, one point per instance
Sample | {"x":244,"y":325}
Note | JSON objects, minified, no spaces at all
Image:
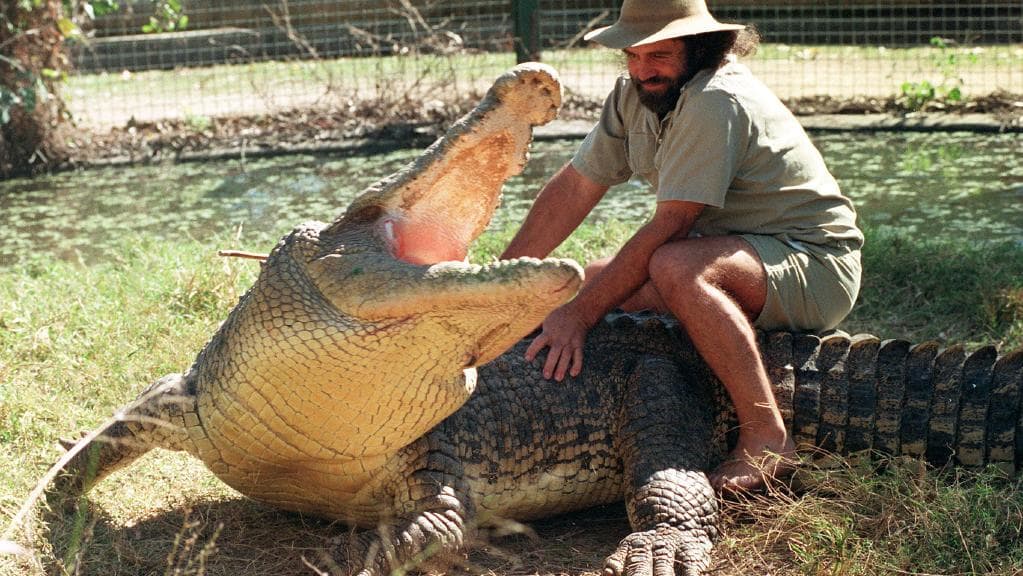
{"x":371,"y":375}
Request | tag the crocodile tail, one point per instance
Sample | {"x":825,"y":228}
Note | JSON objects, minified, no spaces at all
{"x":154,"y":420}
{"x":943,"y":404}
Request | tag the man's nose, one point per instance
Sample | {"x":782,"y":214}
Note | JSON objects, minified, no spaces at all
{"x":642,"y":72}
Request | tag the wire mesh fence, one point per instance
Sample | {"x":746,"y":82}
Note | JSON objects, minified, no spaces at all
{"x":250,"y":57}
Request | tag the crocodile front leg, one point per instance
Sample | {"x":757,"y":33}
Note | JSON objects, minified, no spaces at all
{"x":664,"y":437}
{"x":161,"y":417}
{"x":435,"y":513}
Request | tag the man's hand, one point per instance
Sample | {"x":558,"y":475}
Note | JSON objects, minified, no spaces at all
{"x":564,"y":331}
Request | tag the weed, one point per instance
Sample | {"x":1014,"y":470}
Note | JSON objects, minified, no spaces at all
{"x":198,"y":123}
{"x":168,"y":17}
{"x":914,"y":95}
{"x":189,"y":555}
{"x":945,"y":61}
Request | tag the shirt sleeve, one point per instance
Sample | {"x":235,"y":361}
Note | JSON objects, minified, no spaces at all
{"x":703,"y":148}
{"x":602,"y":157}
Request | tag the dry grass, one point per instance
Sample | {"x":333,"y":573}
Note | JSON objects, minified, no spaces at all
{"x":850,"y":517}
{"x":168,"y":515}
{"x":865,"y":516}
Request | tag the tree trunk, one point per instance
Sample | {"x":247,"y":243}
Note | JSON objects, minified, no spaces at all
{"x":32,"y":61}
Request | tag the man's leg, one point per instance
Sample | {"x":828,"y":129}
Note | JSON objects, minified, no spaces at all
{"x":715,"y":287}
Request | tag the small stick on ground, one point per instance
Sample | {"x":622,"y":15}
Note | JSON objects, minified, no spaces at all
{"x":241,"y":254}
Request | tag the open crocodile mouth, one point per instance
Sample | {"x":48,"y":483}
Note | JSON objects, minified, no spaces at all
{"x":427,"y":215}
{"x":434,"y":208}
{"x":439,"y":224}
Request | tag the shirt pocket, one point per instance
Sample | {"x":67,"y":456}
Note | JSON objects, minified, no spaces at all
{"x":642,"y":147}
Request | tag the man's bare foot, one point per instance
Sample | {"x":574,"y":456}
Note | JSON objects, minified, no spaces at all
{"x":747,"y":470}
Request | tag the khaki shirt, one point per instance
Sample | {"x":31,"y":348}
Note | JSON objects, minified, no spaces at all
{"x":729,"y":144}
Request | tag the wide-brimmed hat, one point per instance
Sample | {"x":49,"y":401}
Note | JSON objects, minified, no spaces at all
{"x":646,"y":21}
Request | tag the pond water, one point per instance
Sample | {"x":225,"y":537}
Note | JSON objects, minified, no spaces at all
{"x":954,"y":185}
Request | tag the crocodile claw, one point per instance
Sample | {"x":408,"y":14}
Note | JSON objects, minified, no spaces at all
{"x":663,"y":551}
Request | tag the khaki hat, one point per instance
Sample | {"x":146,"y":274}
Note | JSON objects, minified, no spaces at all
{"x":646,"y":21}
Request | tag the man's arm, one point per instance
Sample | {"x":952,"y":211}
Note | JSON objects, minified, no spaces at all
{"x":564,"y":330}
{"x":559,"y":208}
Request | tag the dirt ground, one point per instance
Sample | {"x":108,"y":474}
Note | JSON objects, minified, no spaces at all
{"x":194,"y":525}
{"x":407,"y":121}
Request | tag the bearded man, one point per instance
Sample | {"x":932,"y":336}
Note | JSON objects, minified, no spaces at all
{"x":750,"y":229}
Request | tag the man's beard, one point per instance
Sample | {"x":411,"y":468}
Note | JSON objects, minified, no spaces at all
{"x":663,"y":102}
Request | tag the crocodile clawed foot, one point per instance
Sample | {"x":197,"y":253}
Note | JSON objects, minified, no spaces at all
{"x":664,"y":551}
{"x":353,"y":554}
{"x":373,"y":553}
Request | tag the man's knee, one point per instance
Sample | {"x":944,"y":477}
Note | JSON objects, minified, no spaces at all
{"x":688,"y":269}
{"x":673,"y":271}
{"x":593,"y":268}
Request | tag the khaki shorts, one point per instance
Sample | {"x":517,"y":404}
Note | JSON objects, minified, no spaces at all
{"x":810,"y":287}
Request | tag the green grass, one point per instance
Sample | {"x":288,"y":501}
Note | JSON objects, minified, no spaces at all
{"x":78,"y":342}
{"x":922,"y":288}
{"x":75,"y":342}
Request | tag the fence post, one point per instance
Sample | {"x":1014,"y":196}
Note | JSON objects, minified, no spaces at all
{"x":526,"y":15}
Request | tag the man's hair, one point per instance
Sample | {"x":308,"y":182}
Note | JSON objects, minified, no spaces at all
{"x":709,"y":50}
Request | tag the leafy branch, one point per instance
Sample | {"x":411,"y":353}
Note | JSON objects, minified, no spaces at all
{"x":25,"y":85}
{"x":169,"y":17}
